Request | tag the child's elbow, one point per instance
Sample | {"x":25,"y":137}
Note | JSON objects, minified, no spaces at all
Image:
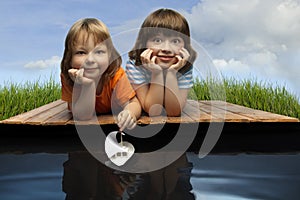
{"x":174,"y":113}
{"x":175,"y":110}
{"x":154,"y":110}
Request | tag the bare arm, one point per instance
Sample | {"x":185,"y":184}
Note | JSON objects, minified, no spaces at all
{"x":83,"y":106}
{"x":151,"y":94}
{"x":131,"y":112}
{"x":134,"y":107}
{"x":175,"y":98}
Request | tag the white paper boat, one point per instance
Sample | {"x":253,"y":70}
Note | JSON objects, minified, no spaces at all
{"x":118,"y":153}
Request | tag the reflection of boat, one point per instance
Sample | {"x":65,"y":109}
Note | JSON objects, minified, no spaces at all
{"x":118,"y":153}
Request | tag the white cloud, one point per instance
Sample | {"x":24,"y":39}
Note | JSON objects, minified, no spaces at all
{"x":54,"y":61}
{"x":238,"y":65}
{"x":260,"y":36}
{"x":284,"y":18}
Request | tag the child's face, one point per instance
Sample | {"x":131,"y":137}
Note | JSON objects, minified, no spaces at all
{"x":93,"y":58}
{"x":165,"y":48}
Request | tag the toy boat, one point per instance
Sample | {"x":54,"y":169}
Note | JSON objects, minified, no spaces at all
{"x":118,"y":153}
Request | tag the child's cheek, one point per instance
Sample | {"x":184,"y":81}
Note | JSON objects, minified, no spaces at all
{"x":76,"y":64}
{"x":177,"y":50}
{"x":155,"y":51}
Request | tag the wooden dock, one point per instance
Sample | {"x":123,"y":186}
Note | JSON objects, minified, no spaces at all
{"x":51,"y":128}
{"x":57,"y":114}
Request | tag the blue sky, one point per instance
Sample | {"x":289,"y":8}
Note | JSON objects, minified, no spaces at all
{"x":242,"y":39}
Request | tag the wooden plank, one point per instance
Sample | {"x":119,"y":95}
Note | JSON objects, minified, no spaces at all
{"x":106,"y":119}
{"x":61,"y":118}
{"x":110,"y":119}
{"x":157,"y":119}
{"x":192,"y":110}
{"x":220,"y":114}
{"x":144,"y":120}
{"x":39,"y":118}
{"x":253,"y":114}
{"x":189,"y":115}
{"x":101,"y":119}
{"x":56,"y":113}
{"x":21,"y":118}
{"x":186,"y":116}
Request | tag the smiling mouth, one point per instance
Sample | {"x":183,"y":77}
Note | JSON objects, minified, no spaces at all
{"x":165,"y":58}
{"x":90,"y":68}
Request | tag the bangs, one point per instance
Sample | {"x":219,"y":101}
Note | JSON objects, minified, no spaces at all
{"x":152,"y":32}
{"x":167,"y":19}
{"x":86,"y":29}
{"x":167,"y":28}
{"x":83,"y":36}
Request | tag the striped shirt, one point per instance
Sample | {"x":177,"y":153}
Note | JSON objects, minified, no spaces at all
{"x":140,"y":75}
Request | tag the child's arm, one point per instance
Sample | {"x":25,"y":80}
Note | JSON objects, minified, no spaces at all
{"x":151,"y":95}
{"x":132,"y":111}
{"x":175,"y":98}
{"x":83,"y":106}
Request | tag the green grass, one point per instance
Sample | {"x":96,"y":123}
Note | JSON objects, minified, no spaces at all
{"x":19,"y":98}
{"x":249,"y":93}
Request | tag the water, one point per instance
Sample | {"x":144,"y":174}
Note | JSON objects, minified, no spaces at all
{"x":247,"y":177}
{"x":242,"y":176}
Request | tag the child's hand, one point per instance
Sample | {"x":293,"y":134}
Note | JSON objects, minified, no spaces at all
{"x":77,"y":76}
{"x":126,"y":120}
{"x":181,"y":60}
{"x":148,"y":62}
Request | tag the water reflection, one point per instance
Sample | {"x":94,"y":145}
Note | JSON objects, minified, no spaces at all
{"x":31,"y":176}
{"x":215,"y":177}
{"x":86,"y":178}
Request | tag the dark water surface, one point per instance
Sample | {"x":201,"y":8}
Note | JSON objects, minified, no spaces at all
{"x":242,"y":176}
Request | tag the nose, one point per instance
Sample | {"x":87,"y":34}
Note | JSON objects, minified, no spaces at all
{"x":166,"y":46}
{"x":90,"y":59}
